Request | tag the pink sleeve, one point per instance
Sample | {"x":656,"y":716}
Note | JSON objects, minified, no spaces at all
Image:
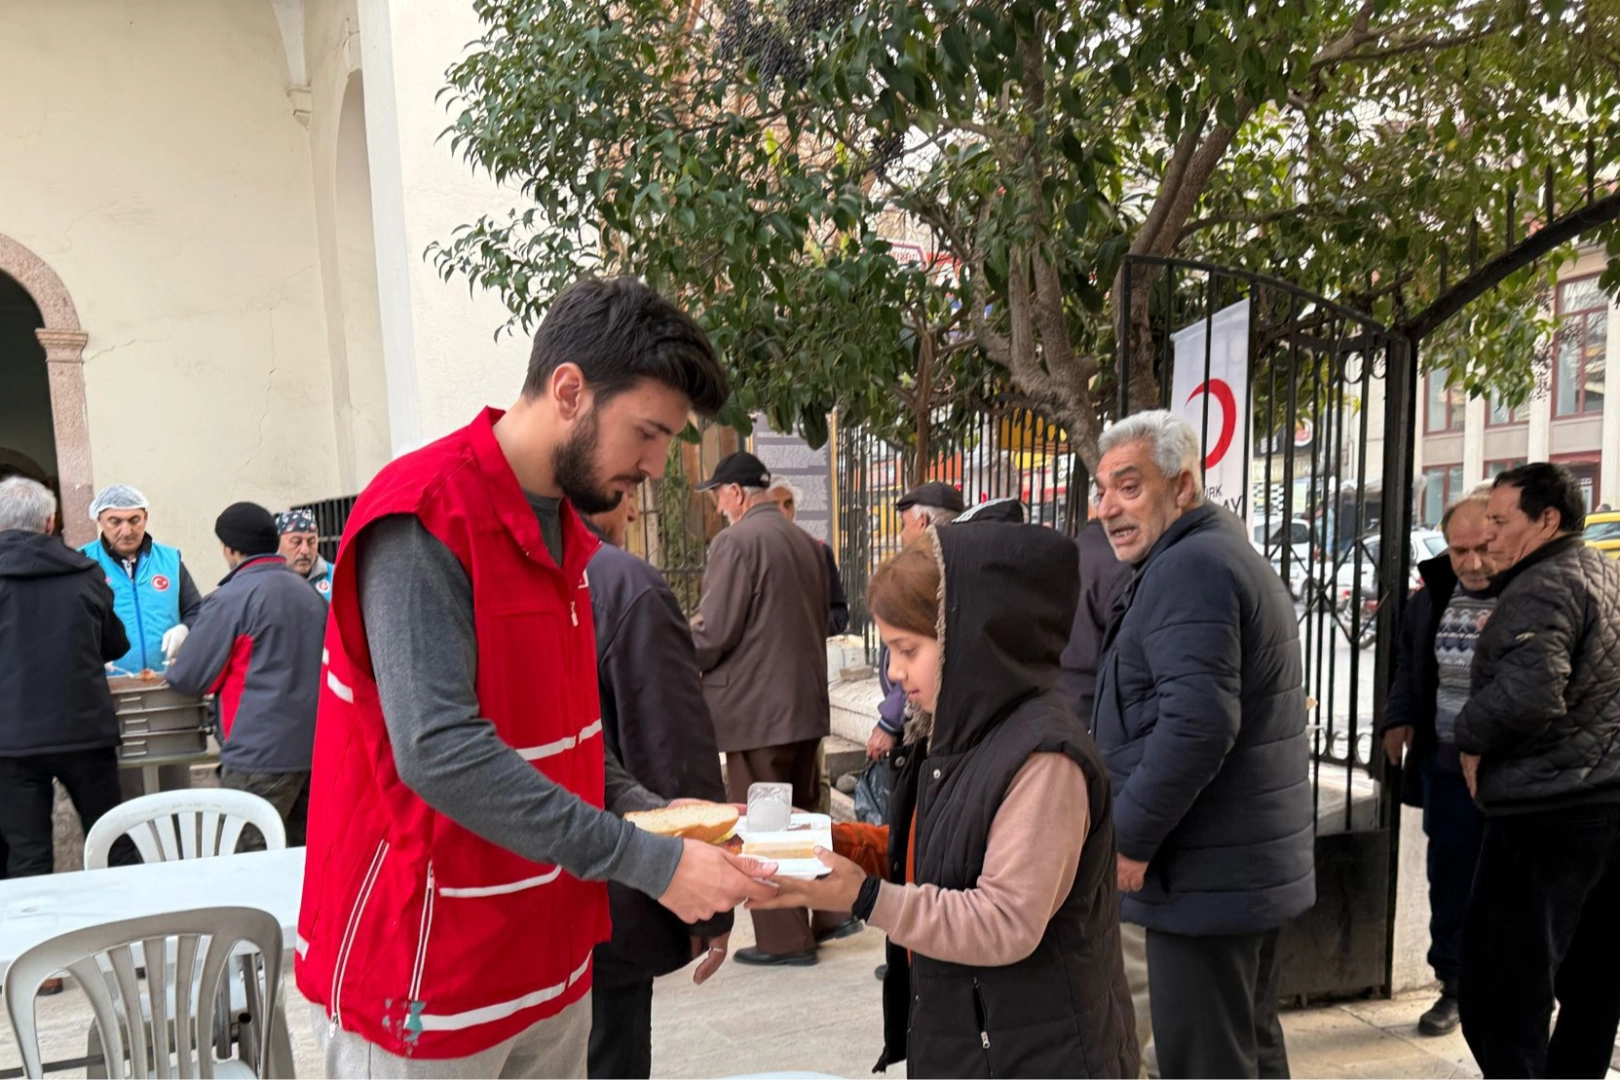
{"x":1030,"y":863}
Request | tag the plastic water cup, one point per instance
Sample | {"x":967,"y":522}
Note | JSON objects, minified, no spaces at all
{"x":770,"y":807}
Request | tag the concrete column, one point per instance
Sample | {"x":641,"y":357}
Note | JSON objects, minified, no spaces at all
{"x":1539,"y":426}
{"x":1474,"y":441}
{"x":439,"y":344}
{"x":1609,"y":482}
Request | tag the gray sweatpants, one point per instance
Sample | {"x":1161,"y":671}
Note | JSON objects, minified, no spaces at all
{"x":556,"y":1047}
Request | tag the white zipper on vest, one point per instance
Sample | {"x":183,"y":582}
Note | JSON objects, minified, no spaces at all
{"x":349,"y":931}
{"x":422,"y":941}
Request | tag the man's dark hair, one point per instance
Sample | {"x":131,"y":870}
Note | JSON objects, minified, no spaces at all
{"x":1542,"y":484}
{"x":619,"y":331}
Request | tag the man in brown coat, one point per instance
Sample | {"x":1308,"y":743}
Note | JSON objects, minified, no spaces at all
{"x":761,"y":643}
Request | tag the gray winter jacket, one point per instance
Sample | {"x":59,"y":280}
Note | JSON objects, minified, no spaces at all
{"x":257,"y":645}
{"x":1545,"y":706}
{"x":1201,"y":717}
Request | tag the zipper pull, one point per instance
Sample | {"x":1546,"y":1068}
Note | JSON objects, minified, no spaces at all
{"x":984,"y":1037}
{"x":331,"y":1029}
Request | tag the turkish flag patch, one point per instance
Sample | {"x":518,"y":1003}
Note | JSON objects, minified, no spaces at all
{"x":160,"y":583}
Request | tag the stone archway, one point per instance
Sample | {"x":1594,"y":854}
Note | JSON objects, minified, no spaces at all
{"x":64,"y":341}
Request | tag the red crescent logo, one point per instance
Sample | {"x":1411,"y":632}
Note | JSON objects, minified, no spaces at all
{"x":160,"y":583}
{"x":1222,"y":393}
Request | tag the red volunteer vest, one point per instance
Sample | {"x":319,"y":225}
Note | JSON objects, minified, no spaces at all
{"x":415,"y":934}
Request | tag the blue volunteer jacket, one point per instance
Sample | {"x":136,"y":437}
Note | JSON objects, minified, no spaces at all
{"x":148,"y":605}
{"x":321,"y":578}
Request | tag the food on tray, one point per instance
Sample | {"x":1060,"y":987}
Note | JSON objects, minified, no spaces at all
{"x":708,"y":822}
{"x":777,"y":848}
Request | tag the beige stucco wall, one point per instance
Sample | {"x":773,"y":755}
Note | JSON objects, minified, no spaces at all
{"x":343,"y":213}
{"x":151,"y":156}
{"x":444,"y":361}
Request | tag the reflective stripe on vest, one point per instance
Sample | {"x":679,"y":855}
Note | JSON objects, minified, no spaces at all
{"x":148,"y":605}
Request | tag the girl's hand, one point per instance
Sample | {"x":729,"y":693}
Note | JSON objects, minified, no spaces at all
{"x":836,"y":891}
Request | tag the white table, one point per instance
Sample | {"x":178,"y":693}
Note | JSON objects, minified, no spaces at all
{"x":36,"y":909}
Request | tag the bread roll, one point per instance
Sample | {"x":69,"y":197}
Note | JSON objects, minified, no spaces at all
{"x":708,"y":822}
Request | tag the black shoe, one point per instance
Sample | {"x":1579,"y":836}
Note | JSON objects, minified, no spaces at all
{"x":882,"y":972}
{"x":1441,"y":1019}
{"x":786,"y":959}
{"x":847,"y":928}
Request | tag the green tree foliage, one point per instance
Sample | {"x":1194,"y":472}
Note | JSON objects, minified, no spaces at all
{"x":761,"y":158}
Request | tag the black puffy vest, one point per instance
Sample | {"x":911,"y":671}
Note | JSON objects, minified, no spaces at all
{"x":1065,"y":1010}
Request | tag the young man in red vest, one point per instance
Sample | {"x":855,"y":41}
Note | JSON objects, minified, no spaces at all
{"x":458,"y":845}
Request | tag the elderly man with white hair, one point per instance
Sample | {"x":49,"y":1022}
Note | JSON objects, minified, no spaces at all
{"x":1200,"y":714}
{"x":152,"y":590}
{"x":57,"y":720}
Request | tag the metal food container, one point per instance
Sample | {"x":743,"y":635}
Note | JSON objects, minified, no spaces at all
{"x":159,"y":724}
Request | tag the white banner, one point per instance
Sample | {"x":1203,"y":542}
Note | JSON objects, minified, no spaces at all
{"x":1225,"y":394}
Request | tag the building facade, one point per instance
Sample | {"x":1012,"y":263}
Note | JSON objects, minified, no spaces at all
{"x":1571,"y":419}
{"x":213,"y":222}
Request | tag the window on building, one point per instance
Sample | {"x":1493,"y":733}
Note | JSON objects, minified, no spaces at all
{"x":1493,"y":469}
{"x":1502,"y":414}
{"x":1581,"y":347}
{"x":1588,"y":473}
{"x":1446,"y":406}
{"x":1440,"y":486}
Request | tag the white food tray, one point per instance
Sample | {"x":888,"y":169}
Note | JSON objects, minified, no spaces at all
{"x":811,"y":828}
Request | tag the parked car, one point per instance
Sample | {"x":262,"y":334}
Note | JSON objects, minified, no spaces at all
{"x":1295,"y":534}
{"x":1354,"y":596}
{"x":1603,"y":533}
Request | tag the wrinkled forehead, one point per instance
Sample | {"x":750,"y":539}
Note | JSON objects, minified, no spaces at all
{"x":1469,"y":527}
{"x":1127,"y":461}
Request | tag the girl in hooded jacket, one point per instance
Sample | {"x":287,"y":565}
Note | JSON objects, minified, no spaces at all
{"x":997,"y":883}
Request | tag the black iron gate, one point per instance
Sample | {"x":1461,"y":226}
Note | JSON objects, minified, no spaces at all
{"x":1327,"y":499}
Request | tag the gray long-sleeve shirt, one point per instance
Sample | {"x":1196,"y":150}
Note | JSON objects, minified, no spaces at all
{"x":417,"y":604}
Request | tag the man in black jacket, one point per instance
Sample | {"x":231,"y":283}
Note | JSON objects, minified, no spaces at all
{"x":1432,"y":662}
{"x":57,"y":719}
{"x":1540,"y":742}
{"x":656,"y":722}
{"x":1201,"y":717}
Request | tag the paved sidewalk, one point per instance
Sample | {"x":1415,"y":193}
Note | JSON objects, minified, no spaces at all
{"x":828,"y":1019}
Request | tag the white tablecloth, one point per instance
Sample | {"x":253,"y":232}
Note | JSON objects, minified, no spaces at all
{"x":36,"y":909}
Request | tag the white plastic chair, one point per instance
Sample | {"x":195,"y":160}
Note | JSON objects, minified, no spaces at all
{"x":175,"y":1041}
{"x":197,"y":823}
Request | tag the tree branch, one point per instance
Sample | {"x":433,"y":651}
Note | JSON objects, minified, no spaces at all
{"x":1433,"y":43}
{"x":1257,"y":220}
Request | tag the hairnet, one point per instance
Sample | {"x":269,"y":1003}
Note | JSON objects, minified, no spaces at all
{"x":117,"y":497}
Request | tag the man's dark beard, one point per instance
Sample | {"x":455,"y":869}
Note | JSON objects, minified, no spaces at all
{"x":574,"y":474}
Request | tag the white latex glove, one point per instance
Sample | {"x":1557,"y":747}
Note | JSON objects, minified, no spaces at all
{"x":172,"y":640}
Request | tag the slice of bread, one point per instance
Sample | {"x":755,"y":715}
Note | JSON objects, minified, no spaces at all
{"x":708,"y":822}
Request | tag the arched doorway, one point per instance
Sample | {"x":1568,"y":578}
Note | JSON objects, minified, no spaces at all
{"x":27,"y":435}
{"x":44,"y":427}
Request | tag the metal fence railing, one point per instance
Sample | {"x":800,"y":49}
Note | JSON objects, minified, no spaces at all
{"x":1015,"y":454}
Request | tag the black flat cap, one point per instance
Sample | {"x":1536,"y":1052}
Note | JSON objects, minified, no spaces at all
{"x":739,"y":468}
{"x":935,"y":494}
